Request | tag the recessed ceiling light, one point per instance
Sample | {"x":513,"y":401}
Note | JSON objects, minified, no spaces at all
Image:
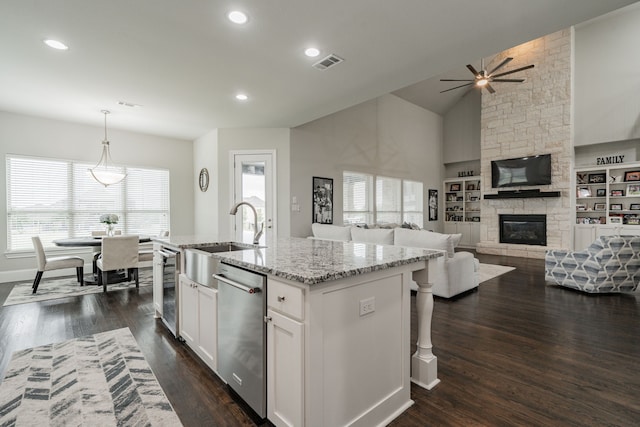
{"x":56,"y":44}
{"x":241,"y":97}
{"x":237,"y":17}
{"x":312,"y":52}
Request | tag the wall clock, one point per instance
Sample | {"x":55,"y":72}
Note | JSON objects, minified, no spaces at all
{"x":203,"y":180}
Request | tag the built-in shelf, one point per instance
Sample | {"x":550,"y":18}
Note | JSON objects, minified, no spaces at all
{"x":522,"y":194}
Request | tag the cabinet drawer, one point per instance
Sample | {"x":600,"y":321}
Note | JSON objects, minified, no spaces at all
{"x":285,"y":299}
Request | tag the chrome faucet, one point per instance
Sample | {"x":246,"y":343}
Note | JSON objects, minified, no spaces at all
{"x":256,"y":236}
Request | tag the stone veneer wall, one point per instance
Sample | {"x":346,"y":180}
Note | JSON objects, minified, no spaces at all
{"x":530,"y":118}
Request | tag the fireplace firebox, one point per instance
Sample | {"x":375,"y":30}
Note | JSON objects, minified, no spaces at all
{"x":523,"y":229}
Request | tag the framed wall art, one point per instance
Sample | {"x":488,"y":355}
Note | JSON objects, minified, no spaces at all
{"x":433,"y":205}
{"x":454,"y":187}
{"x":601,"y":192}
{"x":615,"y":207}
{"x":322,"y":200}
{"x":599,"y":206}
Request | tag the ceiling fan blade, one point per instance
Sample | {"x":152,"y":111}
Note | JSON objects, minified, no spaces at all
{"x":500,"y":65}
{"x":457,"y":80}
{"x":473,"y":70}
{"x":457,"y":87}
{"x":489,"y":88}
{"x":514,"y":71}
{"x":508,"y":80}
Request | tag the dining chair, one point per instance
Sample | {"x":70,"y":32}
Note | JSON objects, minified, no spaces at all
{"x":55,"y":263}
{"x":146,"y":253}
{"x":118,"y":253}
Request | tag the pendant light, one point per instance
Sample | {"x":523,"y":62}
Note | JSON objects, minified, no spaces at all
{"x":105,"y":172}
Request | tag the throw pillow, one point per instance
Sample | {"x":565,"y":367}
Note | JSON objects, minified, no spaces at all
{"x":455,"y":239}
{"x":332,"y":232}
{"x":380,"y":236}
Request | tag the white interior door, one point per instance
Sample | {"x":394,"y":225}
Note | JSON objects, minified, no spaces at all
{"x":254,"y":183}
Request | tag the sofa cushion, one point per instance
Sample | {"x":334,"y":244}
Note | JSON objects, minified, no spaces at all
{"x":424,"y":239}
{"x":332,"y":232}
{"x":380,"y":236}
{"x":455,"y":239}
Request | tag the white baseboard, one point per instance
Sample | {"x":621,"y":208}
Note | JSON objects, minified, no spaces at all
{"x":30,"y":273}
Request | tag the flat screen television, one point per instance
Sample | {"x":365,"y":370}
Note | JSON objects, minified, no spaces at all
{"x":523,"y":171}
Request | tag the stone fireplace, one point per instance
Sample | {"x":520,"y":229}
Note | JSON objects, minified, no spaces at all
{"x":523,"y":229}
{"x":523,"y":119}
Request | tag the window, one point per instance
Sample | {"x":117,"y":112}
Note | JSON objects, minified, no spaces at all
{"x":396,"y":200}
{"x":58,"y":199}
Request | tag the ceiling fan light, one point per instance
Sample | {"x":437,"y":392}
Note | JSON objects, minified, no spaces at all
{"x":482,"y":82}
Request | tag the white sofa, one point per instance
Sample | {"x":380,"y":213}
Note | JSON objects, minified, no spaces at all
{"x":456,"y":272}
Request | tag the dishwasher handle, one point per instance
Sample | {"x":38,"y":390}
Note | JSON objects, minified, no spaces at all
{"x":235,"y":284}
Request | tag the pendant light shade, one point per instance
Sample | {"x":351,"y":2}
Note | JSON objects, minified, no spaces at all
{"x":105,"y":172}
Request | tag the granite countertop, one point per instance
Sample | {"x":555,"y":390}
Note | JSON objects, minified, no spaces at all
{"x":311,"y":261}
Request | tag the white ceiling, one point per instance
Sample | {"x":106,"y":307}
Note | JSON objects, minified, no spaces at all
{"x":183,"y":61}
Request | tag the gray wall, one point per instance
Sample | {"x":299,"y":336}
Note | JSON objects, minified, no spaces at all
{"x":607,"y":81}
{"x":462,"y":130}
{"x":32,"y":136}
{"x":386,"y":136}
{"x":213,"y":152}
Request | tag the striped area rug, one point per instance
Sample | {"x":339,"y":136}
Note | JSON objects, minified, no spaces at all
{"x":55,"y":288}
{"x":97,"y":380}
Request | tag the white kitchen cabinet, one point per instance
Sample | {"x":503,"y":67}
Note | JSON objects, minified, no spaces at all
{"x":157,"y":283}
{"x":285,"y":374}
{"x":584,"y":235}
{"x":198,"y":319}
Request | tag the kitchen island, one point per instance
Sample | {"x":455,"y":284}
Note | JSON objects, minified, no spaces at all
{"x":338,"y":328}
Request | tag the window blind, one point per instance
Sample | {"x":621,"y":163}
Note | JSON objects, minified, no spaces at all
{"x":357,"y":190}
{"x":55,"y":198}
{"x":396,"y":200}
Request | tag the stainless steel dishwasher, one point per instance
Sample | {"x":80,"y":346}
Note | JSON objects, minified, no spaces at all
{"x":242,"y":334}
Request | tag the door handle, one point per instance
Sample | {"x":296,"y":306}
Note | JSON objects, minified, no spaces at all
{"x":236,"y":284}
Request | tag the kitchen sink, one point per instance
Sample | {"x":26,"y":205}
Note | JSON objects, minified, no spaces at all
{"x":226,"y":247}
{"x":200,"y":266}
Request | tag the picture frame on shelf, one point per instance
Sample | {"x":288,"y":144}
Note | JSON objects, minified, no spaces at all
{"x":583,"y":192}
{"x":615,"y":220}
{"x":615,"y":207}
{"x":471,"y":187}
{"x":617,"y":193}
{"x":634,"y":207}
{"x":597,"y":178}
{"x":633,"y":190}
{"x":632,"y":176}
{"x":454,"y":187}
{"x":601,"y":192}
{"x":600,"y":206}
{"x":581,"y":207}
{"x":602,"y":220}
{"x":581,"y":177}
{"x":634,"y":220}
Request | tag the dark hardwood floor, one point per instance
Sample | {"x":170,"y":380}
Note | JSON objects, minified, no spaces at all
{"x":514,"y":352}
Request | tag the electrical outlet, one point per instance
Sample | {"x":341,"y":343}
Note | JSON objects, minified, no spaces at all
{"x":367,"y":306}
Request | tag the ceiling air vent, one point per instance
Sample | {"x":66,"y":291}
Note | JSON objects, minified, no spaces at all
{"x":327,"y":62}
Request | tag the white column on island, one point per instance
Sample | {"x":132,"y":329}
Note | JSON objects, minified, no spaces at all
{"x":424,"y":365}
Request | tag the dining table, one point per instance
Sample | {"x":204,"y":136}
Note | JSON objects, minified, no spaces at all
{"x":91,"y":241}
